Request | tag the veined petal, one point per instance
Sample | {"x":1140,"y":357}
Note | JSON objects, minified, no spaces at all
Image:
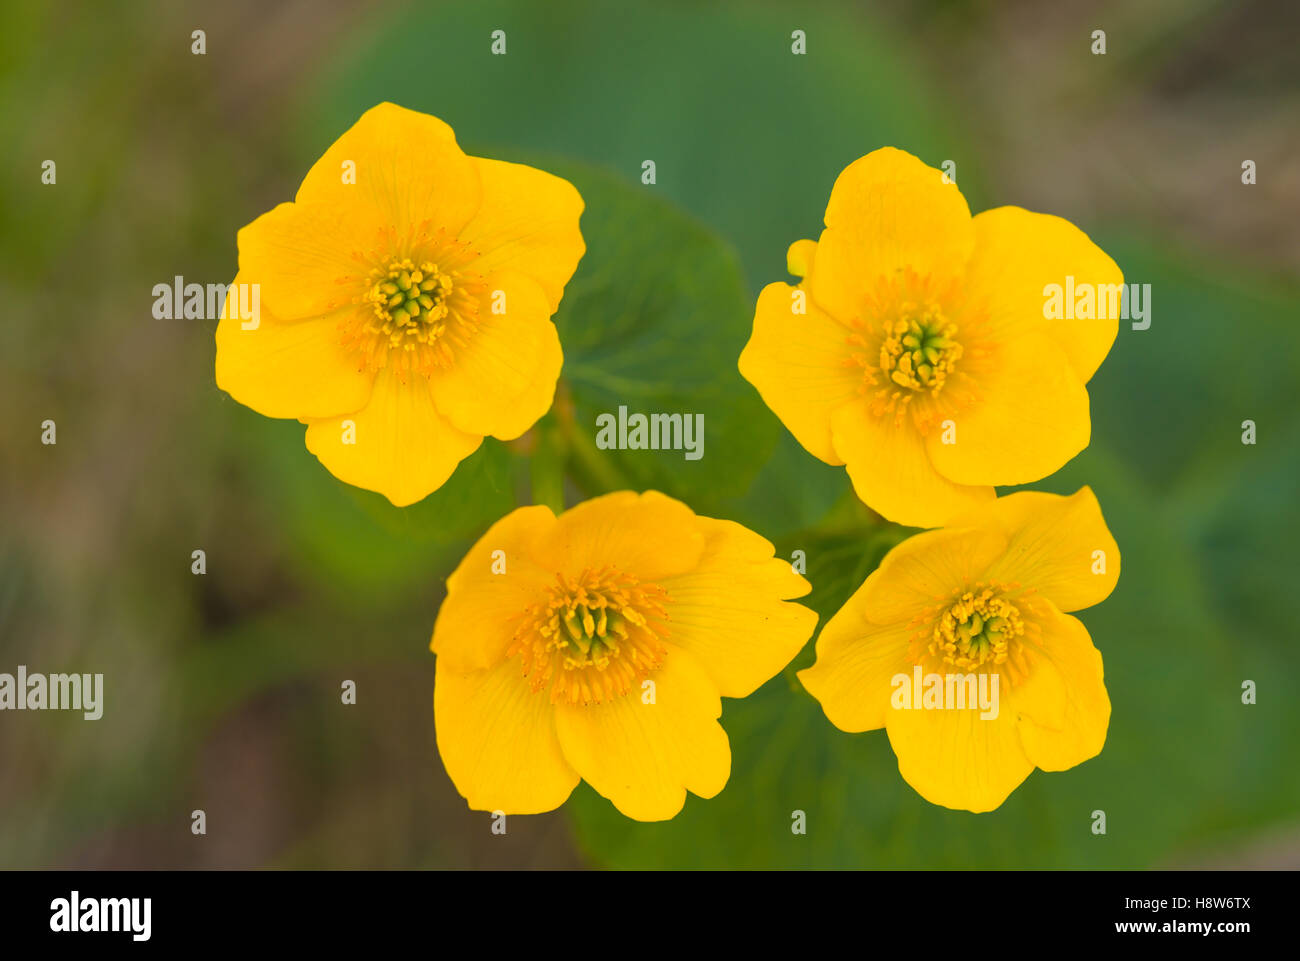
{"x":800,"y":364}
{"x":498,"y":741}
{"x":503,"y":374}
{"x":731,"y":611}
{"x":924,"y":570}
{"x":1052,"y":546}
{"x":889,"y":211}
{"x":1086,"y":710}
{"x":288,"y":369}
{"x":306,"y":257}
{"x":1018,"y":254}
{"x":408,"y":168}
{"x":528,"y":224}
{"x":892,"y":473}
{"x":475,"y":626}
{"x":400,"y":445}
{"x":1030,"y":419}
{"x":649,"y":536}
{"x":856,"y":663}
{"x":957,"y":759}
{"x":645,"y":757}
{"x":1039,"y":694}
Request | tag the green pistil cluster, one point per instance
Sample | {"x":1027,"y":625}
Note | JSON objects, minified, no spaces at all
{"x":405,"y":295}
{"x":918,"y":353}
{"x":977,"y":629}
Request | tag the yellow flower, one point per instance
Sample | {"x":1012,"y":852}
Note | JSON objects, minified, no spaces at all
{"x":595,"y":645}
{"x":980,"y":601}
{"x":406,"y":296}
{"x":915,"y":348}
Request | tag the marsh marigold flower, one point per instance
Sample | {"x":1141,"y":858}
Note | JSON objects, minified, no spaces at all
{"x":915,"y":350}
{"x":595,"y":645}
{"x":406,"y":297}
{"x":985,"y":596}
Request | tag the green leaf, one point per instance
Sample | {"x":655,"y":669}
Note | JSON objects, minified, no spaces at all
{"x":356,"y":540}
{"x":653,"y":323}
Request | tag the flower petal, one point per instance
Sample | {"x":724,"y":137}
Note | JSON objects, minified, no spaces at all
{"x":888,"y":211}
{"x":305,"y":257}
{"x":799,"y":362}
{"x":409,"y":171}
{"x":924,"y":570}
{"x":957,"y":759}
{"x":527,"y":223}
{"x":289,"y":369}
{"x":731,"y":611}
{"x":645,"y":757}
{"x":1082,"y":732}
{"x":892,"y":473}
{"x":1030,"y":419}
{"x":1052,"y":545}
{"x":799,"y":258}
{"x":1017,"y":254}
{"x":856,"y":663}
{"x":474,"y":626}
{"x":403,"y":448}
{"x":498,"y":742}
{"x":503,"y":375}
{"x":649,"y":536}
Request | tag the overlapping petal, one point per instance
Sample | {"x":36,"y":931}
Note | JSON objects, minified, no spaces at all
{"x":503,"y":376}
{"x":398,"y":444}
{"x":888,"y":211}
{"x":1060,"y":545}
{"x":498,"y":741}
{"x":288,"y":369}
{"x":528,"y":224}
{"x":498,"y":577}
{"x":732,"y":611}
{"x":1031,"y":418}
{"x":798,"y":358}
{"x":891,"y":470}
{"x":408,"y":170}
{"x":1018,"y":254}
{"x":645,"y":753}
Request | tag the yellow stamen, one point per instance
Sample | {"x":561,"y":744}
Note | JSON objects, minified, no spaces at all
{"x":594,"y":637}
{"x":415,"y":309}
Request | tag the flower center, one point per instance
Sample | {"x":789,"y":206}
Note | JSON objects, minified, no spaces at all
{"x":918,"y":351}
{"x":905,"y":342}
{"x":593,"y":638}
{"x":408,"y":300}
{"x":417,"y":302}
{"x":978,"y":628}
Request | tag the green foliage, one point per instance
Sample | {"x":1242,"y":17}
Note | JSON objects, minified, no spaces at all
{"x":654,"y":322}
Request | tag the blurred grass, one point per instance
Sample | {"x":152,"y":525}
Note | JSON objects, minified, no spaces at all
{"x":223,"y":689}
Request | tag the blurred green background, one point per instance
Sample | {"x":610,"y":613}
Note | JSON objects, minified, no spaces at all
{"x":222,"y":690}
